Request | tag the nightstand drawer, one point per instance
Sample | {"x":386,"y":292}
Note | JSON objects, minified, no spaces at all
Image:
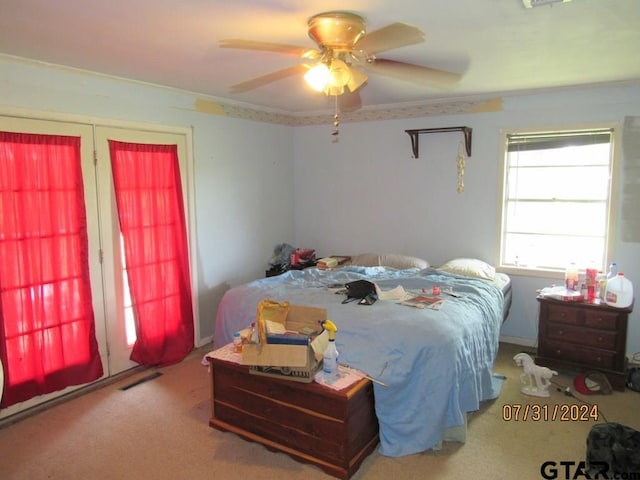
{"x":589,"y":357}
{"x":572,"y":334}
{"x":599,"y":319}
{"x":589,"y":318}
{"x":561,"y":314}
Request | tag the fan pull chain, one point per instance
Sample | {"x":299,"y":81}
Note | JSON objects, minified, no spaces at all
{"x":336,"y":120}
{"x":461,"y":164}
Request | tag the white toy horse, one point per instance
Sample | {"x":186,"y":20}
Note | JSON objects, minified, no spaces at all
{"x":542,"y":376}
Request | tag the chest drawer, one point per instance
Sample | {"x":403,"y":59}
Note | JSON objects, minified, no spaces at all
{"x":585,"y":356}
{"x":581,"y":317}
{"x":562,"y":314}
{"x":605,"y":339}
{"x":255,"y":393}
{"x":600,"y":319}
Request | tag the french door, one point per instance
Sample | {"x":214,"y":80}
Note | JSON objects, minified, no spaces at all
{"x":111,"y":301}
{"x":119,"y":332}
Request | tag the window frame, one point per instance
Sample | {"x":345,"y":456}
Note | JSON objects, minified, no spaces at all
{"x":610,"y":232}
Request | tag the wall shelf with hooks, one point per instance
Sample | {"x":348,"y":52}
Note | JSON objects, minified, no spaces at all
{"x":414,"y":134}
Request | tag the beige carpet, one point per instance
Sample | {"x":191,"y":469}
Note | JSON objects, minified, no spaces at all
{"x":159,"y":430}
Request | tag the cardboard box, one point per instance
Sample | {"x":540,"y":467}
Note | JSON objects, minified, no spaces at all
{"x":296,"y":362}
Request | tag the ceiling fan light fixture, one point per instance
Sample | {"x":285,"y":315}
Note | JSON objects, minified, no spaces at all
{"x":329,"y":79}
{"x":339,"y":73}
{"x":318,"y":77}
{"x":334,"y":90}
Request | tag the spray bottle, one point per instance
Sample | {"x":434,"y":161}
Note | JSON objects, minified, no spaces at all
{"x":330,"y":360}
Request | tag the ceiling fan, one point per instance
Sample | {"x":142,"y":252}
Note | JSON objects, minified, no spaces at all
{"x":345,"y":53}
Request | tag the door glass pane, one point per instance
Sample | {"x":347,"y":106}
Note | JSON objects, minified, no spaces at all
{"x":129,"y":319}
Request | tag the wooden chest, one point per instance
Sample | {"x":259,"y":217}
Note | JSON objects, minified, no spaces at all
{"x":335,"y":430}
{"x":584,"y":337}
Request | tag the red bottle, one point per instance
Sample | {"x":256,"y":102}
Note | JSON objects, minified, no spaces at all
{"x":590,"y":280}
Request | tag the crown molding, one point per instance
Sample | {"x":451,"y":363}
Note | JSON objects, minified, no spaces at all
{"x":206,"y":104}
{"x":386,"y":112}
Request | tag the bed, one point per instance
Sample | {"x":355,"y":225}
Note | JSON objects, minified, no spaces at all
{"x":436,"y":365}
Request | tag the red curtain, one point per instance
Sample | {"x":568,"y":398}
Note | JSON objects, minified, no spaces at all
{"x":47,"y":329}
{"x":152,"y":222}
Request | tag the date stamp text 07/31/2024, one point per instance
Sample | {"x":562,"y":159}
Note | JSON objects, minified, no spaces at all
{"x":563,"y":412}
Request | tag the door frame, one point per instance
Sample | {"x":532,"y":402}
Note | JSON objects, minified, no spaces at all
{"x":119,"y":351}
{"x":68,"y":124}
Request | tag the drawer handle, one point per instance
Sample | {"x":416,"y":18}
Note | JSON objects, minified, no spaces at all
{"x":562,"y":314}
{"x":558,"y":352}
{"x":560,"y":332}
{"x":600,"y":339}
{"x":599,"y":359}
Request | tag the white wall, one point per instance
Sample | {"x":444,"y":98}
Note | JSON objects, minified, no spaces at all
{"x":255,"y":181}
{"x":366,"y":192}
{"x":243,"y":169}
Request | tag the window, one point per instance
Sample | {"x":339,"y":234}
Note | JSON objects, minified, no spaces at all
{"x":556,"y":199}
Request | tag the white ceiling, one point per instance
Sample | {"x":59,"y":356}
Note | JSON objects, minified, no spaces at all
{"x":499,"y":46}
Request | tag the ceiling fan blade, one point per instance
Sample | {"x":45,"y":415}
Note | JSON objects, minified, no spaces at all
{"x":268,"y":78}
{"x":387,"y":38}
{"x":349,"y":102}
{"x":269,"y":47}
{"x":413,"y":73}
{"x":358,"y":78}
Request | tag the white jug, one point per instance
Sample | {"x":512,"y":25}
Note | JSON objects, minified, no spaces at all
{"x":619,"y":292}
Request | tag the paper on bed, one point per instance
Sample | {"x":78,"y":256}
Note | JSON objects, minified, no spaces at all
{"x":397,"y":293}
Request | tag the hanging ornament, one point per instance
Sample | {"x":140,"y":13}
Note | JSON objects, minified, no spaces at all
{"x":336,"y":120}
{"x":462,"y":159}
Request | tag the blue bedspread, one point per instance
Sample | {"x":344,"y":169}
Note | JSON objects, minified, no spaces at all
{"x":437,"y":364}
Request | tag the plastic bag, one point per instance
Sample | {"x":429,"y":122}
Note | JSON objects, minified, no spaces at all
{"x":272,"y":311}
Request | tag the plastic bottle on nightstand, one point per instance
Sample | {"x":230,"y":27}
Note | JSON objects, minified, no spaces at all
{"x":601,"y":285}
{"x":237,"y":342}
{"x":330,"y":359}
{"x":571,"y":277}
{"x":619,"y":291}
{"x":613,"y":270}
{"x":591,"y":274}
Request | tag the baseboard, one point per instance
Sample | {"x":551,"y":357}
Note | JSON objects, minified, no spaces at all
{"x":204,"y":341}
{"x":525,"y":342}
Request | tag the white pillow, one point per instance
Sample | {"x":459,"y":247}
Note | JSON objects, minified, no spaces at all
{"x":365,"y":260}
{"x":400,"y":262}
{"x":470,"y":267}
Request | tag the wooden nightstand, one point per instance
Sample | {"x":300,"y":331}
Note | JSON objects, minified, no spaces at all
{"x":584,"y":337}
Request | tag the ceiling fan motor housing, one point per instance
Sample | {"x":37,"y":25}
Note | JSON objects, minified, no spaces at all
{"x":336,"y":30}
